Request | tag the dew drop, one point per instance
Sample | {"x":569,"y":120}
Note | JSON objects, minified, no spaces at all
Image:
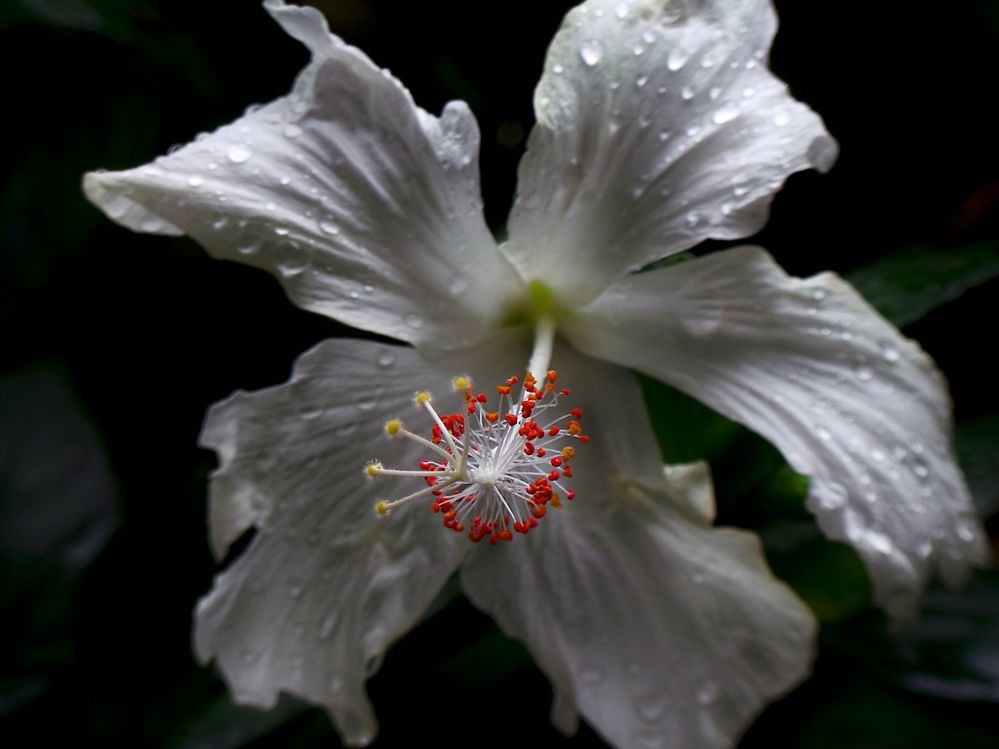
{"x":863,"y":373}
{"x":920,"y":468}
{"x":249,"y":658}
{"x":889,"y":353}
{"x":247,"y":249}
{"x":238,"y":154}
{"x":413,"y":320}
{"x":621,"y":10}
{"x":652,"y":708}
{"x":558,"y":69}
{"x":327,"y":227}
{"x":708,"y":694}
{"x":386,"y":359}
{"x":281,"y":231}
{"x":196,"y":181}
{"x":649,"y":739}
{"x":677,"y":59}
{"x":781,"y":119}
{"x":687,"y":93}
{"x":291,"y":130}
{"x":965,"y":531}
{"x":725,"y":114}
{"x":833,"y":497}
{"x":591,"y":51}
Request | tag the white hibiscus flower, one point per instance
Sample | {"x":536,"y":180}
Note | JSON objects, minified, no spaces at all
{"x":659,"y":126}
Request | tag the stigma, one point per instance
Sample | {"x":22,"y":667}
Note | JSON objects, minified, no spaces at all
{"x":492,"y":471}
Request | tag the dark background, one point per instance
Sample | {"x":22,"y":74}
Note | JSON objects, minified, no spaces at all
{"x":112,"y":345}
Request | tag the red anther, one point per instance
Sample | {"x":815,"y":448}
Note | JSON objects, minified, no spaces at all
{"x":505,"y":535}
{"x":492,"y":417}
{"x":446,"y":506}
{"x":554,"y":476}
{"x":511,"y":419}
{"x":552,"y":431}
{"x":511,"y":381}
{"x":567,"y":471}
{"x":549,"y":388}
{"x":532,"y":523}
{"x":435,"y":506}
{"x":541,"y":452}
{"x":552,"y":375}
{"x":584,"y":438}
{"x":570,"y":495}
{"x":573,"y":428}
{"x":471,"y":407}
{"x":481,"y":398}
{"x":564,"y":391}
{"x":557,"y":461}
{"x":556,"y":502}
{"x":531,"y":489}
{"x":503,"y":389}
{"x":528,"y":448}
{"x":576,"y":412}
{"x":538,"y":511}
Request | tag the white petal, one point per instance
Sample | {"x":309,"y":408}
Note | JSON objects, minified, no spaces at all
{"x":660,"y":630}
{"x":813,"y":368}
{"x":659,"y":126}
{"x":325,"y":586}
{"x":366,"y":207}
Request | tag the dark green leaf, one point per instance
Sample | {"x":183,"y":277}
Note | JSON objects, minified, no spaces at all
{"x":977,"y":443}
{"x":907,"y":285}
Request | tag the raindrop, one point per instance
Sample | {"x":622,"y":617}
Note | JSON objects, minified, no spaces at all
{"x":248,"y":249}
{"x":591,"y":51}
{"x":295,"y":589}
{"x":748,"y":92}
{"x":651,"y":708}
{"x":413,"y":320}
{"x":687,"y":93}
{"x":781,"y":119}
{"x":677,"y":59}
{"x":386,"y":359}
{"x":285,"y":180}
{"x":965,"y":531}
{"x":708,"y":694}
{"x":291,"y":130}
{"x":920,"y":468}
{"x":714,"y":92}
{"x":558,"y":69}
{"x":648,"y":36}
{"x":834,"y":497}
{"x":238,"y":154}
{"x":281,"y":231}
{"x":725,"y":114}
{"x":250,"y":658}
{"x":641,"y":81}
{"x":196,"y":181}
{"x":327,"y":227}
{"x":863,"y":373}
{"x":889,"y":353}
{"x":327,"y":626}
{"x":621,"y":10}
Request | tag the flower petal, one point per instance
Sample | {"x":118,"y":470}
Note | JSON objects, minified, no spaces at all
{"x":659,"y":126}
{"x":812,"y":367}
{"x":325,"y":585}
{"x":365,"y":207}
{"x":660,"y":630}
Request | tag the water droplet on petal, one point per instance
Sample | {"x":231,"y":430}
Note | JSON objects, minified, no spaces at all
{"x":386,"y":359}
{"x":591,"y":51}
{"x":651,"y":708}
{"x":708,"y":694}
{"x":558,"y":69}
{"x":291,"y":130}
{"x":863,"y":373}
{"x":677,"y":59}
{"x":413,"y":320}
{"x":687,"y":93}
{"x":327,"y":227}
{"x":889,"y":353}
{"x":196,"y":181}
{"x":725,"y":114}
{"x":238,"y":154}
{"x":832,"y":496}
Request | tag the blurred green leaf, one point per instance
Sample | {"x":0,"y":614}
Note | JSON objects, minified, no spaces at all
{"x":907,"y":285}
{"x":977,"y":444}
{"x":221,"y":724}
{"x":57,"y":510}
{"x":828,"y":575}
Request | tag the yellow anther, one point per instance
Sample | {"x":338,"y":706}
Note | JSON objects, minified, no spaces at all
{"x":568,"y":452}
{"x":461,"y":382}
{"x":372,"y":468}
{"x":422,"y":397}
{"x":381,"y":507}
{"x":392,"y":427}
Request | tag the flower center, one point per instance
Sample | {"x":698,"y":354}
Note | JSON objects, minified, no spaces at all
{"x":494,"y":472}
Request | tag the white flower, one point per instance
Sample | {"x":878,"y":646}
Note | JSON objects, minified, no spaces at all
{"x":659,"y":126}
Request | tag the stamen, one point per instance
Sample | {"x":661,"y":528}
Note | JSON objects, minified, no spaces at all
{"x":494,"y":471}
